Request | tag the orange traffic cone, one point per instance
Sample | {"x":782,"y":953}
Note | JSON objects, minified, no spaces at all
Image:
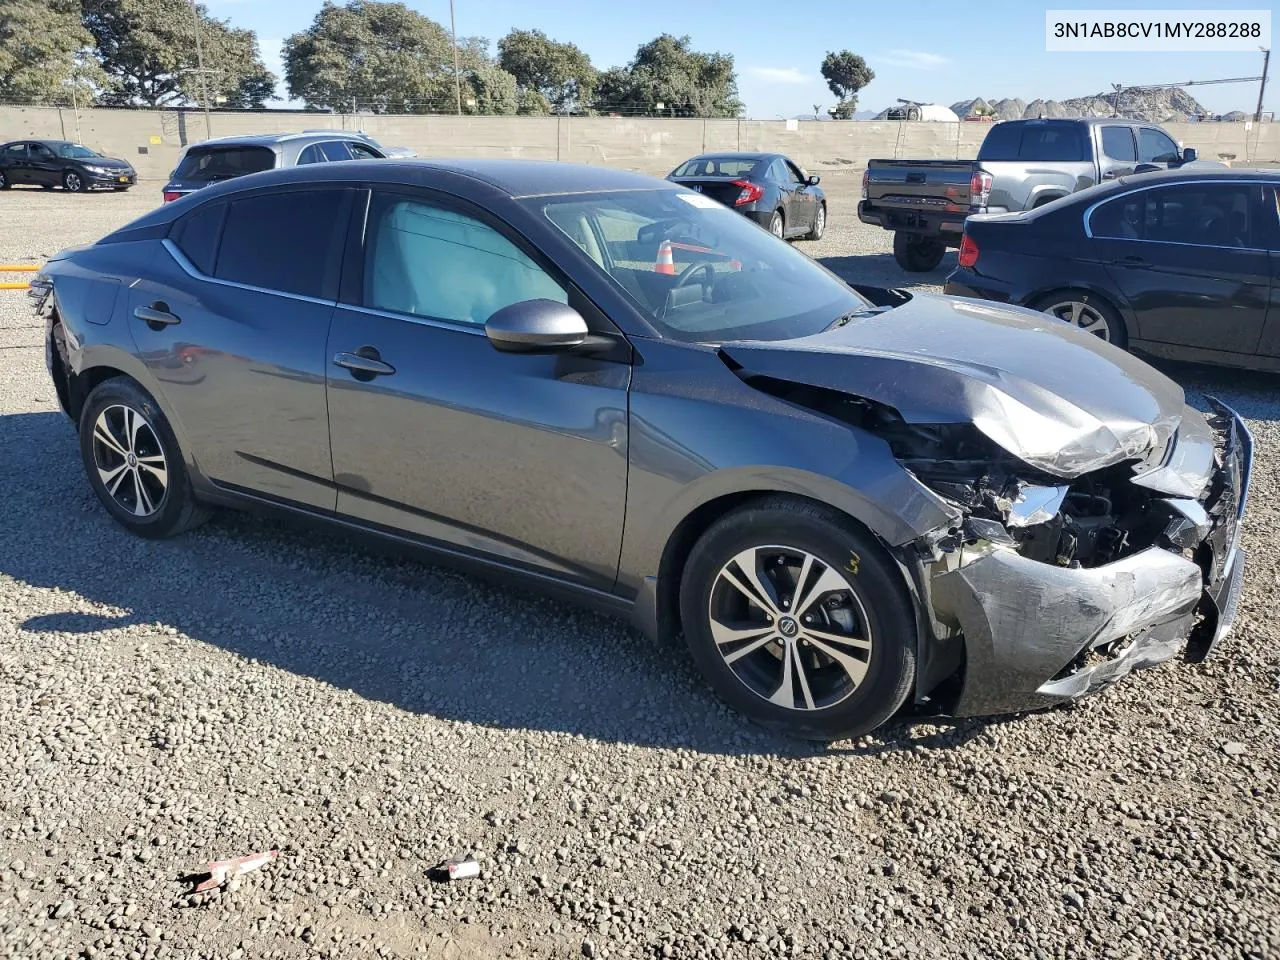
{"x":665,"y":263}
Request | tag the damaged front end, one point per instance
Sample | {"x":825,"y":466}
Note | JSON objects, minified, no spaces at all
{"x":1058,"y":586}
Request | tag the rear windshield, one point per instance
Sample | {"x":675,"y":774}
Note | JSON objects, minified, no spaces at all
{"x":1062,"y":141}
{"x":206,"y":164}
{"x":716,"y":167}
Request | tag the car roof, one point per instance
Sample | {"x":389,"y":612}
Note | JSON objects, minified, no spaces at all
{"x":734,"y":155}
{"x":268,"y":139}
{"x":1181,"y":174}
{"x":515,"y":178}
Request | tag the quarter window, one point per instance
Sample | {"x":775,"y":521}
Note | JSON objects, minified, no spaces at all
{"x":283,"y":241}
{"x":362,"y":152}
{"x":429,"y":261}
{"x":197,"y":235}
{"x":1204,"y":214}
{"x":1117,"y":143}
{"x":16,"y":150}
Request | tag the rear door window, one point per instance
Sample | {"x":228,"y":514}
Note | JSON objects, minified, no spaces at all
{"x":1203,"y":214}
{"x":1117,"y":144}
{"x":310,"y":155}
{"x":209,"y":164}
{"x":16,"y":151}
{"x":291,"y":242}
{"x":334,"y":150}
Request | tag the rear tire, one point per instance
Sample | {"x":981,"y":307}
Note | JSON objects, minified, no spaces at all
{"x":827,"y":652}
{"x":917,"y":254}
{"x":777,"y":226}
{"x":4,"y":181}
{"x":1088,"y":311}
{"x":134,"y":463}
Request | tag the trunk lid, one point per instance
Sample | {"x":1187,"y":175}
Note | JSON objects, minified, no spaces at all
{"x":920,"y":184}
{"x":1059,"y":399}
{"x":720,"y":189}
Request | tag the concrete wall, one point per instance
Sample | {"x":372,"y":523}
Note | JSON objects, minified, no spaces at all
{"x":648,"y":145}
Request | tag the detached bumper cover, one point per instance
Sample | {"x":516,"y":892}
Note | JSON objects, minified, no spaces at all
{"x":1036,"y":634}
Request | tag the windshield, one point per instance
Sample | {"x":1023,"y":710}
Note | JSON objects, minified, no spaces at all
{"x":699,"y":271}
{"x":75,"y":151}
{"x":222,"y":163}
{"x":716,"y":167}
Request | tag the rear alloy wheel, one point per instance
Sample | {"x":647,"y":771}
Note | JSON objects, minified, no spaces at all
{"x":133,"y":461}
{"x":797,"y":620}
{"x":819,"y":223}
{"x":4,"y":181}
{"x":917,"y":254}
{"x":1086,"y":311}
{"x":72,"y":182}
{"x":776,"y":225}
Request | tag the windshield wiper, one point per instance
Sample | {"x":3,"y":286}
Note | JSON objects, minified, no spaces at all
{"x":844,"y":318}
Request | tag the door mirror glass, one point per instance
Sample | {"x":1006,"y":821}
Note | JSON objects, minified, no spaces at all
{"x":1190,"y":155}
{"x":533,"y":326}
{"x":813,"y":181}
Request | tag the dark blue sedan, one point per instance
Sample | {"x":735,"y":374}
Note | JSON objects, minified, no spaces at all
{"x":765,"y":187}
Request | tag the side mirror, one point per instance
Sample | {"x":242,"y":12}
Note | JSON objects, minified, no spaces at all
{"x":1190,"y":155}
{"x":533,"y":326}
{"x":813,"y":181}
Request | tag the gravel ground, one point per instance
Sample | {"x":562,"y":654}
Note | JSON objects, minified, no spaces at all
{"x":253,"y":685}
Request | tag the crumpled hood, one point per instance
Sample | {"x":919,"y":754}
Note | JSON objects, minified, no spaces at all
{"x":1057,"y":398}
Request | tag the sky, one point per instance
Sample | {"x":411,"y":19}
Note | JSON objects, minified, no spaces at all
{"x":925,"y":50}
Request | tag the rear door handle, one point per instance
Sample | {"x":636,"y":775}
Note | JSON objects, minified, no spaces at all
{"x":364,"y":364}
{"x":1134,"y":258}
{"x":156,"y":316}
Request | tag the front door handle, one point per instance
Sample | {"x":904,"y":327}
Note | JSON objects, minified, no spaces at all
{"x":364,"y":364}
{"x":156,"y":316}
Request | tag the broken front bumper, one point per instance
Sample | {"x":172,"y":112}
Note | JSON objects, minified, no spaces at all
{"x":1036,"y":634}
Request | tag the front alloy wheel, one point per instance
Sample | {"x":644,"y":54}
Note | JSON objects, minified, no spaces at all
{"x":72,"y":182}
{"x":799,"y":619}
{"x":791,"y":628}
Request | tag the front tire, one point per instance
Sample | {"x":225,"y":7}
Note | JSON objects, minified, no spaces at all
{"x":72,"y":182}
{"x":133,"y":461}
{"x":797,"y":619}
{"x":819,"y":224}
{"x":917,"y":254}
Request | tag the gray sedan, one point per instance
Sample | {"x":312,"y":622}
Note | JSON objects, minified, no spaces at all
{"x":610,"y":387}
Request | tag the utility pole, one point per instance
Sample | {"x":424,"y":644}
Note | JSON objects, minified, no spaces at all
{"x":204,"y":84}
{"x":457,"y":75}
{"x":1262,"y":87}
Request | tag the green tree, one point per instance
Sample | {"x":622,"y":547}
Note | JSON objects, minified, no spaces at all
{"x":148,"y":50}
{"x":846,"y":73}
{"x":665,"y":70}
{"x":560,"y":73}
{"x":386,"y":58}
{"x":44,"y":53}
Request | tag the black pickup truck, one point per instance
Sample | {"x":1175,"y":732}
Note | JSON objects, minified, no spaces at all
{"x":1022,"y":164}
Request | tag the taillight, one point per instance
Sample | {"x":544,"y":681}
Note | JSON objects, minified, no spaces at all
{"x":968,"y":251}
{"x":979,"y":189}
{"x":170,"y":196}
{"x":750,"y":192}
{"x":866,"y":178}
